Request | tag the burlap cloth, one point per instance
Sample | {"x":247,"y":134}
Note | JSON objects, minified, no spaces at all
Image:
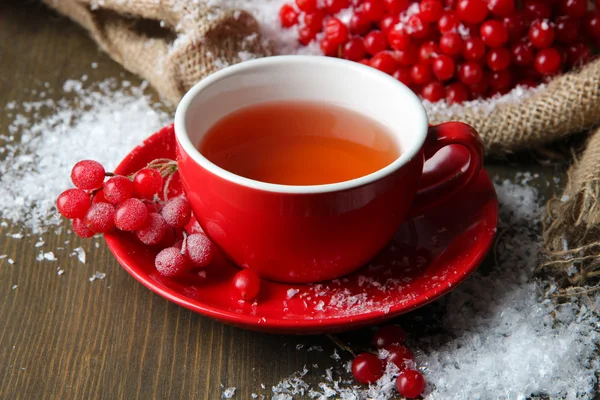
{"x":175,"y":43}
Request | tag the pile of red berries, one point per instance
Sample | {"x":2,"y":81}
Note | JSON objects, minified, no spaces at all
{"x":368,"y":367}
{"x":455,"y":50}
{"x":133,"y":204}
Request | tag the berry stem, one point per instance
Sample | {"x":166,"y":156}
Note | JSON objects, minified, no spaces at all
{"x":109,"y":174}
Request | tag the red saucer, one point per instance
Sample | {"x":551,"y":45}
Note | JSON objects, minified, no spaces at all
{"x":429,"y":256}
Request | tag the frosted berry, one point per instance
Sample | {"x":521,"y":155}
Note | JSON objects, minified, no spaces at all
{"x":288,"y":16}
{"x":314,"y":21}
{"x":88,"y":175}
{"x":547,"y":61}
{"x":410,"y":384}
{"x":81,"y":229}
{"x":199,"y":249}
{"x":388,"y":335}
{"x":373,"y":9}
{"x":501,"y":8}
{"x":118,"y":189}
{"x":375,"y":42}
{"x":498,"y":59}
{"x":307,"y":5}
{"x":433,"y":92}
{"x":177,"y":212}
{"x":384,"y":61}
{"x":171,"y":263}
{"x":399,"y":356}
{"x":130,"y":215}
{"x":541,"y":34}
{"x":457,"y":93}
{"x":73,"y":203}
{"x":336,"y":32}
{"x":471,"y":11}
{"x":417,"y":27}
{"x":493,"y":33}
{"x":367,"y":368}
{"x":100,"y":217}
{"x":153,"y":230}
{"x":147,"y":182}
{"x":354,"y":49}
{"x":443,"y":67}
{"x":431,"y":10}
{"x":306,"y":35}
{"x":451,"y":43}
{"x":247,"y":284}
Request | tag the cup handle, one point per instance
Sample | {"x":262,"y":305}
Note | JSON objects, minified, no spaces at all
{"x":440,"y":136}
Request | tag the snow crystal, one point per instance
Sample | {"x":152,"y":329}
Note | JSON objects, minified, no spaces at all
{"x":80,"y":253}
{"x":97,"y":275}
{"x":14,"y":287}
{"x":228,"y":393}
{"x":10,"y":261}
{"x":291,"y":293}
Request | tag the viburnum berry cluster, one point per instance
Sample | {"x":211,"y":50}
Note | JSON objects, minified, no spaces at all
{"x":368,"y":367}
{"x":102,"y":201}
{"x":455,"y":50}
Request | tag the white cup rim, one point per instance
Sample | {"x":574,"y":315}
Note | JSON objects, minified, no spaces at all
{"x":406,"y":155}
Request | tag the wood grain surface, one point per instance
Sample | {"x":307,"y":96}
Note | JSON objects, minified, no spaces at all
{"x":64,"y":337}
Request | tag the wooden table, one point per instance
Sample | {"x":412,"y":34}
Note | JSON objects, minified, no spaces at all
{"x":62,"y":337}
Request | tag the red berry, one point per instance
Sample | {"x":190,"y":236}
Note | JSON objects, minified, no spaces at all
{"x":538,"y":9}
{"x":199,"y":249}
{"x":501,"y":80}
{"x":471,"y":11}
{"x":130,"y":215}
{"x":335,"y":6}
{"x":374,"y":9}
{"x":433,"y":91}
{"x":354,"y":50}
{"x":541,"y":34}
{"x":516,"y":25}
{"x":530,"y":83}
{"x":480,"y":88}
{"x":522,"y":54}
{"x":408,"y":56}
{"x":387,"y":23}
{"x":431,"y":10}
{"x":547,"y":61}
{"x":147,"y":182}
{"x":247,"y":283}
{"x":448,"y":22}
{"x":451,"y":43}
{"x":73,"y":203}
{"x":153,"y":230}
{"x":578,"y":54}
{"x":81,"y":229}
{"x":501,"y":8}
{"x":88,"y":175}
{"x":336,"y":32}
{"x":118,"y":189}
{"x":470,"y":73}
{"x":498,"y":59}
{"x":421,"y":74}
{"x":100,"y":217}
{"x":360,"y":24}
{"x":403,"y":75}
{"x":288,"y":16}
{"x":398,"y":38}
{"x":443,"y":67}
{"x":573,"y":8}
{"x":365,"y":61}
{"x":592,"y":24}
{"x":171,"y":263}
{"x":367,"y":368}
{"x":388,"y":335}
{"x":177,"y":212}
{"x":384,"y":61}
{"x":567,"y":29}
{"x":474,"y":49}
{"x":417,"y":28}
{"x":428,"y":52}
{"x":314,"y":21}
{"x":306,"y":35}
{"x":400,"y":355}
{"x":457,"y":93}
{"x":410,"y":384}
{"x":307,"y":5}
{"x":493,"y":33}
{"x":395,"y":7}
{"x":375,"y":42}
{"x":329,"y":48}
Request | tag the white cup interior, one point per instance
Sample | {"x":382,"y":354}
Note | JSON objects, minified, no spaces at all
{"x":302,"y":78}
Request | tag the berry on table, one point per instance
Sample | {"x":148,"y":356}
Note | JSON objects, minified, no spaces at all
{"x":247,"y":284}
{"x":199,"y":249}
{"x":448,"y":22}
{"x":147,"y":182}
{"x":100,"y":217}
{"x":417,"y":27}
{"x":592,"y":24}
{"x":538,"y":9}
{"x":573,"y":8}
{"x":400,"y":356}
{"x":171,"y":263}
{"x":388,"y":335}
{"x":306,"y":35}
{"x":428,"y":52}
{"x":578,"y":54}
{"x":335,"y":6}
{"x":410,"y":383}
{"x":177,"y":212}
{"x":73,"y":203}
{"x":522,"y":54}
{"x":421,"y":74}
{"x":329,"y":48}
{"x":373,"y":9}
{"x":567,"y":29}
{"x":153,"y":230}
{"x":387,"y":23}
{"x":398,"y":38}
{"x":501,"y":8}
{"x":359,"y":24}
{"x":395,"y":7}
{"x":367,"y":368}
{"x":403,"y":75}
{"x":130,"y":215}
{"x":314,"y":21}
{"x":88,"y":175}
{"x":118,"y":189}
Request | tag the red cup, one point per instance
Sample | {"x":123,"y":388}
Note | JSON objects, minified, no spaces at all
{"x":303,"y":234}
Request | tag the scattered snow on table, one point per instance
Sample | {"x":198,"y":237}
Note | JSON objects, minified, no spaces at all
{"x":228,"y":393}
{"x":97,"y":276}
